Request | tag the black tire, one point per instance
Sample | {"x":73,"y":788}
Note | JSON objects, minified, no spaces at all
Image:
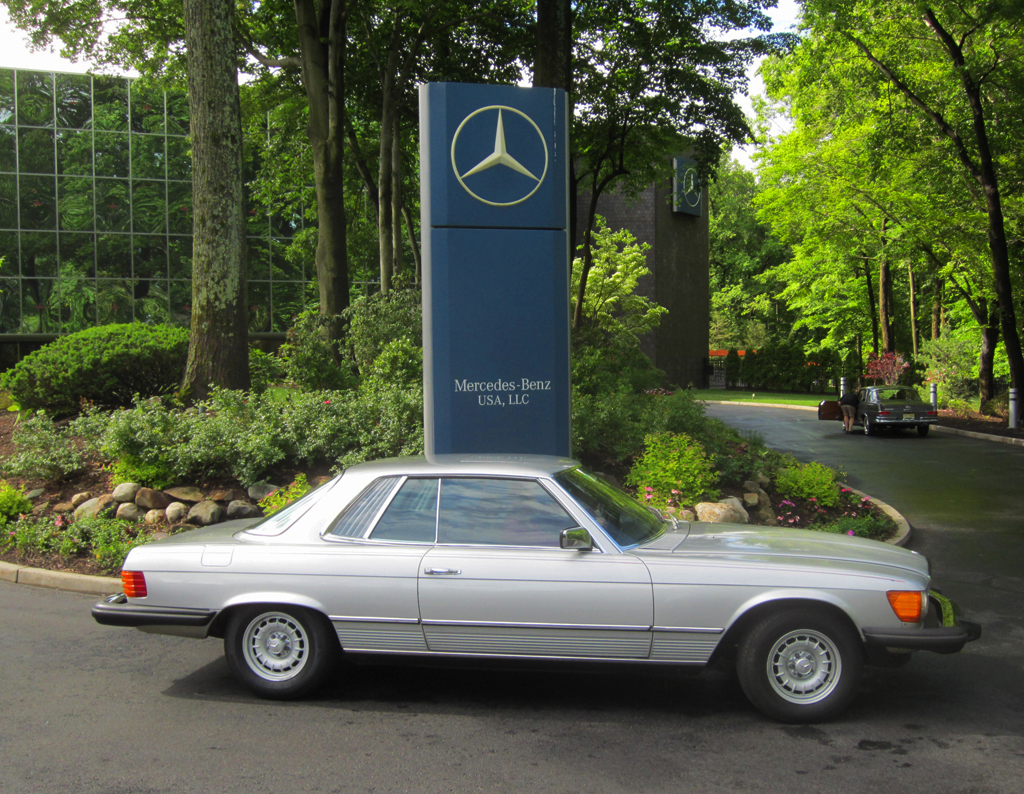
{"x":869,"y":427}
{"x":800,"y":665}
{"x":922,"y":430}
{"x":280,"y":652}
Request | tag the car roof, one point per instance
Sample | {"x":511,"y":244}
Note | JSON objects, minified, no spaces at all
{"x":485,"y":464}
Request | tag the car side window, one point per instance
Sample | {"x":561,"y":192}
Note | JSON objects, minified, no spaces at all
{"x":412,"y":514}
{"x":501,"y":512}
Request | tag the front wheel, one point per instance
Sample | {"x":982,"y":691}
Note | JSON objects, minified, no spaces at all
{"x":799,"y":665}
{"x":280,"y":652}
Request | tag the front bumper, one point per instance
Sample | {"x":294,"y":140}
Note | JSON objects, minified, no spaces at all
{"x":944,"y":631}
{"x":116,"y":611}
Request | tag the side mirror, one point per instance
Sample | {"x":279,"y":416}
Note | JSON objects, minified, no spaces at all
{"x":576,"y":538}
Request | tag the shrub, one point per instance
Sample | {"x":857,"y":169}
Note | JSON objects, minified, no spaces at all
{"x":310,"y":360}
{"x":43,"y":450}
{"x":264,"y":370}
{"x":377,"y":320}
{"x":872,"y":526}
{"x":610,"y":427}
{"x":13,"y":502}
{"x":809,"y":481}
{"x":107,"y":365}
{"x":673,"y":468}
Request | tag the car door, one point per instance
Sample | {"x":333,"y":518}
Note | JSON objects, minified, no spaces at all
{"x":497,"y":582}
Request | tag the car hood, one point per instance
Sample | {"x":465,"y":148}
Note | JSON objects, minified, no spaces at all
{"x":738,"y":542}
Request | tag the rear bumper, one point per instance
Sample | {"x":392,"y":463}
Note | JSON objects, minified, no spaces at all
{"x":116,"y":611}
{"x":913,"y":422}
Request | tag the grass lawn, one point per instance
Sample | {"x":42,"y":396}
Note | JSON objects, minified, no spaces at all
{"x":747,"y":396}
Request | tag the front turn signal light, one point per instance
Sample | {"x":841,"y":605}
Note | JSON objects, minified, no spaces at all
{"x":907,"y":604}
{"x":134,"y":584}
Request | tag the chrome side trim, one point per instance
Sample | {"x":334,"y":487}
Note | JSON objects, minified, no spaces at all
{"x":689,"y":630}
{"x":372,"y":620}
{"x":479,"y":624}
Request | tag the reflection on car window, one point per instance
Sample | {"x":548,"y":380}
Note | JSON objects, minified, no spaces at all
{"x":499,"y":512}
{"x":355,"y":519}
{"x":278,"y":522}
{"x":627,"y":521}
{"x":899,"y":393}
{"x":412,"y":514}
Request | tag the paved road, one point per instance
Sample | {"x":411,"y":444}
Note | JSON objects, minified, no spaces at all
{"x":86,"y":709}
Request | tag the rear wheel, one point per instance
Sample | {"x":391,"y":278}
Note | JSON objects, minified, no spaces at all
{"x":869,"y":427}
{"x":922,"y":430}
{"x":800,"y":665}
{"x":280,"y":652}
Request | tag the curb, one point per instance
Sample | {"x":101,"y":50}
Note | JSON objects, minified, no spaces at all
{"x":59,"y":580}
{"x":762,"y":405}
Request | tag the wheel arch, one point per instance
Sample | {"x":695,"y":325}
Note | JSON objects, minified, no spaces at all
{"x":750,"y":613}
{"x":271,"y":600}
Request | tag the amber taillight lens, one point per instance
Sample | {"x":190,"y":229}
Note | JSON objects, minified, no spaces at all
{"x":907,"y":604}
{"x":134,"y":584}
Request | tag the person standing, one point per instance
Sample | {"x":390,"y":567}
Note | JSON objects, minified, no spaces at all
{"x":848,"y":403}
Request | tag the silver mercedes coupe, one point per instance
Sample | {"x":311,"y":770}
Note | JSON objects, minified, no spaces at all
{"x":531,"y":557}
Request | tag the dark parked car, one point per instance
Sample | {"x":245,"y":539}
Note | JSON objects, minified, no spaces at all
{"x":886,"y":406}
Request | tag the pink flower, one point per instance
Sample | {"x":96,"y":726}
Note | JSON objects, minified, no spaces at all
{"x":850,"y":532}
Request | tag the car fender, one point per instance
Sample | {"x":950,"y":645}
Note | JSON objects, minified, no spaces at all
{"x":857,"y":611}
{"x":279,"y":597}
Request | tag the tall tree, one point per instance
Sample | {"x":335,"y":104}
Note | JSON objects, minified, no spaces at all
{"x":218,"y":351}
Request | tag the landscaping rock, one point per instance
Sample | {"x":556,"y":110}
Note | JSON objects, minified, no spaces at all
{"x":176,"y":513}
{"x":261,"y":491}
{"x":129,"y":511}
{"x":39,"y":509}
{"x":187,"y":493}
{"x":35,"y":493}
{"x":159,"y":535}
{"x":206,"y":513}
{"x":761,"y":480}
{"x":63,"y":507}
{"x":105,"y":506}
{"x":86,"y":509}
{"x":155,"y":516}
{"x":737,"y":505}
{"x":751,"y":500}
{"x":80,"y":499}
{"x":126,"y":491}
{"x":222,"y":496}
{"x":149,"y":499}
{"x":720,"y":513}
{"x":686,"y":515}
{"x":240,"y":509}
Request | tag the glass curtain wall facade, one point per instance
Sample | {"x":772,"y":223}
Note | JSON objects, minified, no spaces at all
{"x":96,"y":213}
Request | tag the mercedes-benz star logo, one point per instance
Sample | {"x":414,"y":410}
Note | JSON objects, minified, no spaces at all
{"x":500,"y":156}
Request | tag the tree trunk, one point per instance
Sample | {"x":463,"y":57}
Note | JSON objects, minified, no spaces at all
{"x":396,"y":197}
{"x":552,"y":61}
{"x":413,"y":242}
{"x":987,"y":353}
{"x":218,"y":351}
{"x":323,"y":77}
{"x":388,"y":120}
{"x":937,"y":309}
{"x":871,"y":307}
{"x":885,"y":318}
{"x":913,"y":308}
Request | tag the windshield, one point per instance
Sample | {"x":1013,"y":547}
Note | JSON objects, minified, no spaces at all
{"x":898,"y":393}
{"x":625,"y":520}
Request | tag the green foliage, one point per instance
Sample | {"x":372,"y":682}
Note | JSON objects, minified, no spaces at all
{"x":282,"y":497}
{"x":310,"y":359}
{"x":13,"y":502}
{"x":809,"y":481}
{"x":733,"y":364}
{"x":387,"y":411}
{"x":378,"y":319}
{"x":106,"y":540}
{"x":871,"y":526}
{"x":673,"y":468}
{"x":264,"y":370}
{"x":44,"y":451}
{"x":609,"y":428}
{"x":951,"y":362}
{"x":107,"y":365}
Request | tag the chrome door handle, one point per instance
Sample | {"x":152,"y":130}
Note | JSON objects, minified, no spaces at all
{"x":441,"y":571}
